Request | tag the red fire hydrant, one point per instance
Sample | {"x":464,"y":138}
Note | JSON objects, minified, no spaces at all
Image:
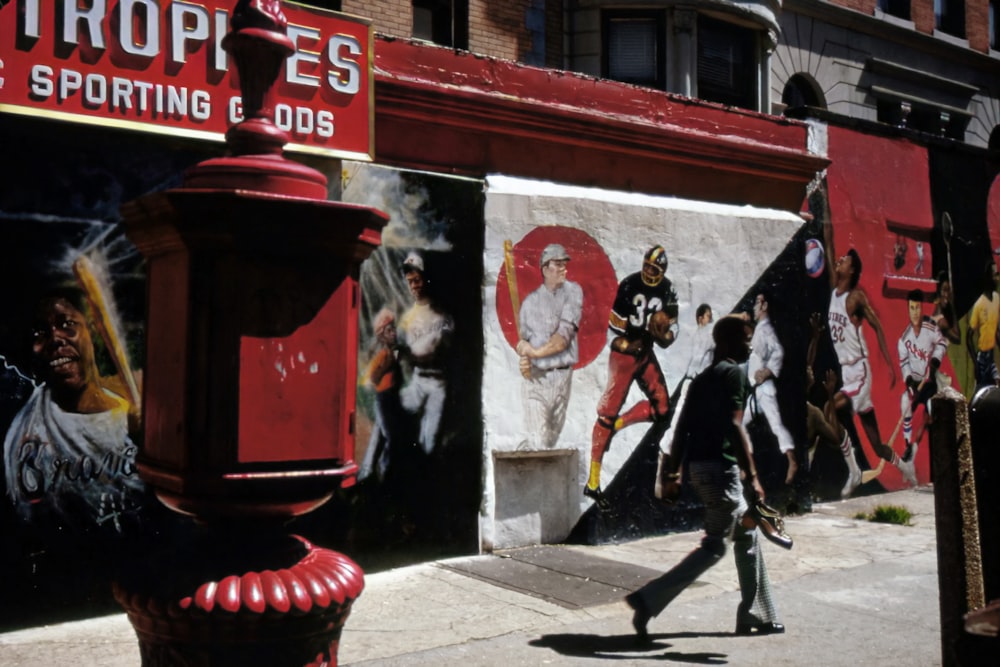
{"x":250,"y":388}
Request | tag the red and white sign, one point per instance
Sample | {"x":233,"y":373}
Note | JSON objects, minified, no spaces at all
{"x":158,"y":66}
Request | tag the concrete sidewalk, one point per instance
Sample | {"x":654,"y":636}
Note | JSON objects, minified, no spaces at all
{"x":850,"y":592}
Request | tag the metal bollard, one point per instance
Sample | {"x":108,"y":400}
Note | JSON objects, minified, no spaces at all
{"x":984,"y":425}
{"x":960,"y":580}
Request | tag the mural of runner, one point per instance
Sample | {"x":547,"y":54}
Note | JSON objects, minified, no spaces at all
{"x":636,"y":324}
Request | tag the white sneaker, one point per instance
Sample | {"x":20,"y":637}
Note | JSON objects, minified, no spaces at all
{"x":853,"y":480}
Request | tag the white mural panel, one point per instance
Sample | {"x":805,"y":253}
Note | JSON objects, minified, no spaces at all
{"x":715,"y":253}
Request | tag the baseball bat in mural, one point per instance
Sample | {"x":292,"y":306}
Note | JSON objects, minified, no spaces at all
{"x":510,"y":270}
{"x":87,"y":277}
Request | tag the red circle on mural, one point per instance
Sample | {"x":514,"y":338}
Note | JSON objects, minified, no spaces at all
{"x":589,"y":267}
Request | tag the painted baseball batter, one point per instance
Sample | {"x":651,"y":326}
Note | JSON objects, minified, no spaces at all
{"x":548,"y":349}
{"x":424,"y":338}
{"x":636,"y":323}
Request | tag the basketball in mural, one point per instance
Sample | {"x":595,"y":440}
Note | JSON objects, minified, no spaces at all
{"x":588,"y":266}
{"x":814,"y":258}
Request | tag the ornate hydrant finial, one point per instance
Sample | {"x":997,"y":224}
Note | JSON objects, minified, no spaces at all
{"x":259,"y":45}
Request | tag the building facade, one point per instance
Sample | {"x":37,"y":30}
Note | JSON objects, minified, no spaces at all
{"x":929,"y":65}
{"x":736,"y":135}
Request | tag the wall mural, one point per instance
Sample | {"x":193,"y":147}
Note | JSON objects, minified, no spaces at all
{"x":524,"y":350}
{"x":72,"y":359}
{"x":855,"y":318}
{"x":591,"y":335}
{"x":72,"y":355}
{"x":420,"y":359}
{"x":69,"y":452}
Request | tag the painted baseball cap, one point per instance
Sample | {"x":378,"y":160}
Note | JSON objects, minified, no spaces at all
{"x":413,"y":262}
{"x":553,"y":251}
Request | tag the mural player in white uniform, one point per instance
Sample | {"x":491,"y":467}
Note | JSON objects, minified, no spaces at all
{"x":849,"y":309}
{"x":702,"y":350}
{"x":424,"y":338}
{"x":766,"y":359}
{"x":67,"y":453}
{"x":549,"y":319}
{"x":921,"y":349}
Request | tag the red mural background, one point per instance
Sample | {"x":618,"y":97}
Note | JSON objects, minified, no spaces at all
{"x":589,"y":267}
{"x":869,"y":216}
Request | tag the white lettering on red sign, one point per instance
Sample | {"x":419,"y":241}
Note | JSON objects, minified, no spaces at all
{"x":154,"y":60}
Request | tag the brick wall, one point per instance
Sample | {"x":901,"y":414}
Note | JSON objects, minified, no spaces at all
{"x":389,"y":17}
{"x":863,"y":6}
{"x":922,"y":13}
{"x":977,"y":28}
{"x":554,"y":34}
{"x":498,"y":28}
{"x":495,"y":28}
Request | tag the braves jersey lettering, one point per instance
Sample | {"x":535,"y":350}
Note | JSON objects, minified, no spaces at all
{"x":423,"y":329}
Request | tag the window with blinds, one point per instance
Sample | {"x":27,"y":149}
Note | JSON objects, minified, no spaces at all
{"x":634,"y":48}
{"x":995,"y":24}
{"x":727,"y":63}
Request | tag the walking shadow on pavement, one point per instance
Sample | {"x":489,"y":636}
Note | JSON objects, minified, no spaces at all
{"x":622,"y":647}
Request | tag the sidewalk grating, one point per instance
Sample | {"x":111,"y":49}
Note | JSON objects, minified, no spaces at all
{"x":560,"y":575}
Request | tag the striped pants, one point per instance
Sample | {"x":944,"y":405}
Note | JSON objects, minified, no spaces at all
{"x":720,"y":489}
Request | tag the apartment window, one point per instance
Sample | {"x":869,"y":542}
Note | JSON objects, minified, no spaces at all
{"x":899,"y":8}
{"x":685,"y":52}
{"x":444,"y":22}
{"x":801,"y":91}
{"x":634,"y":49}
{"x":949,"y":17}
{"x":995,"y":24}
{"x":727,"y":63}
